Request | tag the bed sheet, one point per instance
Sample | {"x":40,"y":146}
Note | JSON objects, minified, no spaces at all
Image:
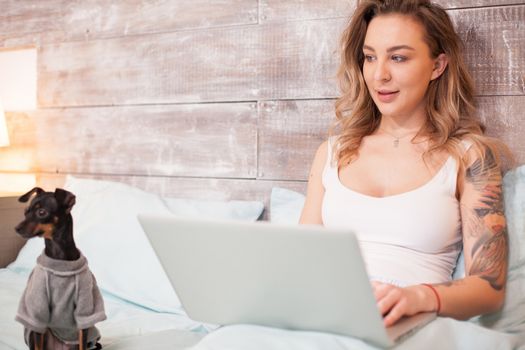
{"x":132,"y":327}
{"x":442,"y":333}
{"x":127,"y":324}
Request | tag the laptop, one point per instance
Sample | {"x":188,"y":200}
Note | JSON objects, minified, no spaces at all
{"x":293,"y":277}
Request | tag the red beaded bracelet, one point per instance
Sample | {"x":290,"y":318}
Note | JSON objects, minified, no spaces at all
{"x":437,"y":296}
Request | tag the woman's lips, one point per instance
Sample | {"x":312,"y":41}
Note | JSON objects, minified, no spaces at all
{"x":387,"y":96}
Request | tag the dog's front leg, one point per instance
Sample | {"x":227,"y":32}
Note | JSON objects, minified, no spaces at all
{"x":82,"y":339}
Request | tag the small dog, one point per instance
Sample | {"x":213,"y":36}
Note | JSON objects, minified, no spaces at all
{"x":61,"y":302}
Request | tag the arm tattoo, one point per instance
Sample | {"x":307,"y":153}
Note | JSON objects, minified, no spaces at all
{"x":487,"y":223}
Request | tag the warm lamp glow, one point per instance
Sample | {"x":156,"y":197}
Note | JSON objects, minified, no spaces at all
{"x":18,"y":79}
{"x":17,"y":84}
{"x":4,"y":136}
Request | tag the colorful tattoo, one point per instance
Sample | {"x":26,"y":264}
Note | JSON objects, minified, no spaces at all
{"x":487,"y":223}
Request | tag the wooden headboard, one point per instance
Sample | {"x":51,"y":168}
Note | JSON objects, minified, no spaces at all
{"x":214,"y":99}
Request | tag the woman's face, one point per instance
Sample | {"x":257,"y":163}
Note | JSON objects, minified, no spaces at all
{"x":398,"y":67}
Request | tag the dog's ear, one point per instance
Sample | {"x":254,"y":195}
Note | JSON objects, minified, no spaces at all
{"x":65,"y":199}
{"x":24,"y":198}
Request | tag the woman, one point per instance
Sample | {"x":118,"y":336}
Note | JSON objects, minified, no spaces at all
{"x":408,"y":168}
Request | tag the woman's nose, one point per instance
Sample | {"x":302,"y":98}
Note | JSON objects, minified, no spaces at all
{"x":382,"y":72}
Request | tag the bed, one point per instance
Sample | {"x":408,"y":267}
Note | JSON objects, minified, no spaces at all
{"x":144,"y":312}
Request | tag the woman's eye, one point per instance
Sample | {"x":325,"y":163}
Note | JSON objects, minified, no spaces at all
{"x":397,"y":58}
{"x":41,"y":213}
{"x":369,"y":58}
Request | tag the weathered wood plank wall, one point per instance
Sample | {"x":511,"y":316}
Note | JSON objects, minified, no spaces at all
{"x":213,"y":98}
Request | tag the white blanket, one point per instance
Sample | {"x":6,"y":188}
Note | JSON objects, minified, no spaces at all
{"x":131,"y":327}
{"x":443,"y":333}
{"x":124,"y":324}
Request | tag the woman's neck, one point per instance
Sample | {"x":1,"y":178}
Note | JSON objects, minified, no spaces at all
{"x":398,"y":130}
{"x":402,"y":125}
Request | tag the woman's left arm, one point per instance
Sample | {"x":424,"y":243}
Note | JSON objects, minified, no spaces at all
{"x":485,"y":243}
{"x":485,"y":248}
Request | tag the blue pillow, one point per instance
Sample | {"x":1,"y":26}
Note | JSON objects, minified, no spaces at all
{"x":285,"y":206}
{"x":511,"y":318}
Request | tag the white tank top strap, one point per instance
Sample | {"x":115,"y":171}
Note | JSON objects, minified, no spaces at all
{"x":330,"y":168}
{"x":453,"y":167}
{"x":449,"y":175}
{"x":331,"y":141}
{"x":466,"y":145}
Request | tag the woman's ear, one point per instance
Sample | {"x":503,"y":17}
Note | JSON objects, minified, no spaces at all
{"x":440,"y":64}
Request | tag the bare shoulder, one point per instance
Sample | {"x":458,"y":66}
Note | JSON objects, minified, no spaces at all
{"x":322,"y":150}
{"x":482,"y":179}
{"x":311,"y":213}
{"x":320,"y":156}
{"x":481,"y":166}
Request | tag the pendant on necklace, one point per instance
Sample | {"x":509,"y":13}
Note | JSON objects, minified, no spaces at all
{"x":396,"y":143}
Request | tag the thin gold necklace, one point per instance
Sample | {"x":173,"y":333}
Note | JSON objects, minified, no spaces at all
{"x":395,"y":143}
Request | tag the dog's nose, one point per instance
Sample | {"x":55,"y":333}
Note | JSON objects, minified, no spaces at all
{"x":19,"y":227}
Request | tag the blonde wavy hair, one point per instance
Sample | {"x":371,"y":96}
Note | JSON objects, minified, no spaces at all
{"x":450,"y":104}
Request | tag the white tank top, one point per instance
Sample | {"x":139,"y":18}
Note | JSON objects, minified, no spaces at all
{"x":408,"y":238}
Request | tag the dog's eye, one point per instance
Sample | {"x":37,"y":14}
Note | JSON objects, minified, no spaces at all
{"x":41,"y":213}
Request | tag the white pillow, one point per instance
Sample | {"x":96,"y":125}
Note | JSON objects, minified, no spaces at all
{"x":285,"y":206}
{"x":110,"y":236}
{"x":514,"y":195}
{"x":222,"y":210}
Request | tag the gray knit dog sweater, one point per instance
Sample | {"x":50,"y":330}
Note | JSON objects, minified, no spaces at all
{"x":61,"y":296}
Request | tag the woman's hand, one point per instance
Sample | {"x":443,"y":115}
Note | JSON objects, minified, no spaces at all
{"x":395,"y":302}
